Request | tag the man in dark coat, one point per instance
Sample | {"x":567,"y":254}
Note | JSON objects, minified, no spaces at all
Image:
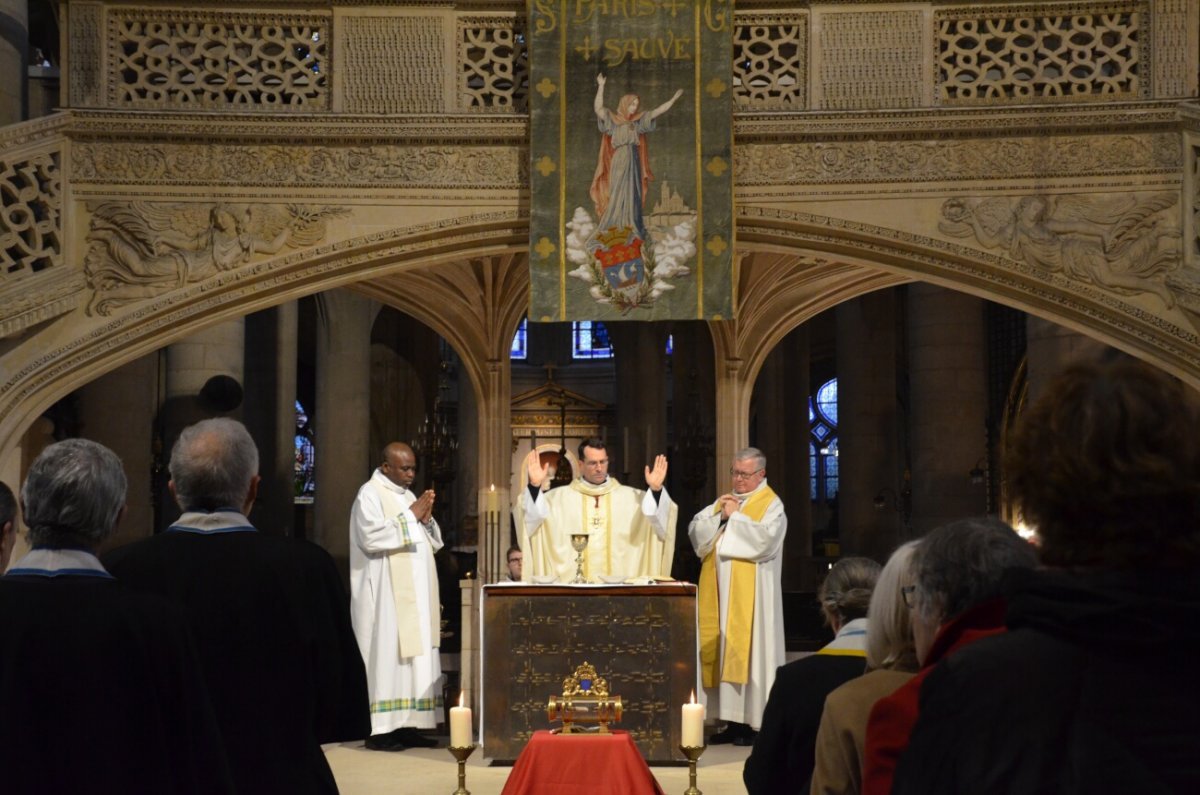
{"x":100,"y":686}
{"x":270,"y":615}
{"x":1093,"y":688}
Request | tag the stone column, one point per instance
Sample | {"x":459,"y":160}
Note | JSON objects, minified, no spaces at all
{"x":204,"y":378}
{"x":641,"y":389}
{"x":270,"y":413}
{"x":947,"y":358}
{"x":869,"y":416}
{"x":1050,"y":348}
{"x":494,"y":462}
{"x":14,"y":45}
{"x":340,"y":418}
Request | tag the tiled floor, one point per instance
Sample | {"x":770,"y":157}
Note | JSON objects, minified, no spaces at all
{"x":421,"y":771}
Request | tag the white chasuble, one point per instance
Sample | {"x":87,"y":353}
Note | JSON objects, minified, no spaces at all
{"x":629,"y":534}
{"x":394,"y":606}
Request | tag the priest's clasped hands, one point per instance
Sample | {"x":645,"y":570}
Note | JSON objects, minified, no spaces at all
{"x":422,"y":506}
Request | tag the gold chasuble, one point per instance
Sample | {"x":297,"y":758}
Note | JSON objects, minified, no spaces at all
{"x":404,"y":592}
{"x":622,"y":540}
{"x":740,"y":621}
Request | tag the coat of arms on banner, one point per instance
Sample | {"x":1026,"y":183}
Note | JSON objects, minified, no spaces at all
{"x":632,"y":190}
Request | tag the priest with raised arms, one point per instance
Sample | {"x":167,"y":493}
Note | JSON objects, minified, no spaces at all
{"x":631,"y":533}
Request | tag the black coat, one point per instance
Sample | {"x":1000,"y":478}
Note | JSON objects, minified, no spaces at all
{"x":101,"y":691}
{"x":785,"y":749}
{"x":1093,"y":690}
{"x":272,"y":621}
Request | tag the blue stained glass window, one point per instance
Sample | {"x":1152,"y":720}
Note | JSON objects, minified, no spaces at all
{"x":590,"y":340}
{"x":812,"y":471}
{"x":823,"y":443}
{"x":305,"y":481}
{"x":827,"y":401}
{"x":519,"y":349}
{"x":670,"y":344}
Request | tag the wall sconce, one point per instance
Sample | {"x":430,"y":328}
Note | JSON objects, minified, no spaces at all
{"x":900,"y":503}
{"x":978,"y":473}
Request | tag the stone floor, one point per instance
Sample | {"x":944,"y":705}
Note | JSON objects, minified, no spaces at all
{"x":422,"y":771}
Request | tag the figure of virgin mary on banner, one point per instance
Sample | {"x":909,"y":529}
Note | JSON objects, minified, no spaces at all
{"x":640,"y":243}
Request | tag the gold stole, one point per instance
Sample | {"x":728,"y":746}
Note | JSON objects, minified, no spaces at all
{"x":739,"y":624}
{"x":412,"y":642}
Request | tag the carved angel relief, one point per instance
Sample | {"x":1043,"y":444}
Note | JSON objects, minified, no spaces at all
{"x":1128,"y":244}
{"x":139,"y":250}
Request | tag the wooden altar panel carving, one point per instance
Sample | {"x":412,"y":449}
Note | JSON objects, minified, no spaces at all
{"x":642,"y":639}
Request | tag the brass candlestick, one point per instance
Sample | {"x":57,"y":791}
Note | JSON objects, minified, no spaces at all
{"x":461,"y":755}
{"x":579,"y":542}
{"x":692,"y":753}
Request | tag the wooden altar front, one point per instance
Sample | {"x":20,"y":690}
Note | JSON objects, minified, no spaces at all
{"x":640,"y":638}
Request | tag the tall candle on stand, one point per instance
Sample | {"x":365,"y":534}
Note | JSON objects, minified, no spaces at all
{"x":460,"y":724}
{"x":491,"y":503}
{"x":692,"y":735}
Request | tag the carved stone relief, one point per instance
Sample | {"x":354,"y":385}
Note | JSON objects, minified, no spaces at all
{"x":871,"y":59}
{"x":208,"y":59}
{"x":30,"y":215}
{"x":770,"y":62}
{"x":493,"y":64}
{"x":382,"y":166}
{"x":381,"y":77}
{"x":1125,"y":243}
{"x":1076,"y":52}
{"x":139,"y":250}
{"x":86,"y":61}
{"x":1174,"y":23}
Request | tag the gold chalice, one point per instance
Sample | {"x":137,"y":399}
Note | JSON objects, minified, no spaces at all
{"x":579,"y":542}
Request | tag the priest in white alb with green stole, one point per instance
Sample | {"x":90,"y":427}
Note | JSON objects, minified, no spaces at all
{"x":739,"y":538}
{"x":631,"y":533}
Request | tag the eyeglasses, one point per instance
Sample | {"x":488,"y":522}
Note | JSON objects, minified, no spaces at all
{"x":743,"y":475}
{"x":909,"y":593}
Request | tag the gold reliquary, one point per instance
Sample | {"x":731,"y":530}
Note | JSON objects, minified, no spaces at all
{"x":584,"y":699}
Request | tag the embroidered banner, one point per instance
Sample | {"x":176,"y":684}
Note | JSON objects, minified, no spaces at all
{"x":631,"y":214}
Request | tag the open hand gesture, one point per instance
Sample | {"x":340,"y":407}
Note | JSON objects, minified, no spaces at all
{"x":656,"y":476}
{"x":537,"y":471}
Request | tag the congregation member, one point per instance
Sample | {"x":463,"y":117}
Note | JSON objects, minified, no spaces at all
{"x":891,"y":661}
{"x":269,"y":614}
{"x":739,"y":539}
{"x":100,"y":687}
{"x":396,"y":608}
{"x":783,"y":755}
{"x":8,"y":525}
{"x":515,"y":559}
{"x":955,"y":601}
{"x":631,"y":533}
{"x":1093,"y":687}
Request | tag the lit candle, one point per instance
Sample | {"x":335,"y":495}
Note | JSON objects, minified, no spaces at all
{"x":491,"y":503}
{"x":460,"y":725}
{"x":693,"y":724}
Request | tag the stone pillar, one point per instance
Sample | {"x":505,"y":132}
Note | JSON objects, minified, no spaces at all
{"x":270,"y":413}
{"x":343,"y":458}
{"x":869,"y":416}
{"x":641,"y":388}
{"x":106,"y":408}
{"x":204,"y":378}
{"x":1050,"y":348}
{"x":14,"y":57}
{"x":947,"y":358}
{"x":692,"y":475}
{"x":495,"y":461}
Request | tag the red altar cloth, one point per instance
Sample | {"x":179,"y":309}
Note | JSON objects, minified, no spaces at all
{"x":581,"y":764}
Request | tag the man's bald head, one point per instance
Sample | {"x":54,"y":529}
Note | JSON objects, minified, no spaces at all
{"x":399,"y":464}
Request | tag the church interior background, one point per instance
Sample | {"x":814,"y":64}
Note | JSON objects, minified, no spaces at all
{"x":938,"y":206}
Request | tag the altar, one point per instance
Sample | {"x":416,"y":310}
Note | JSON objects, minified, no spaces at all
{"x":641,"y":639}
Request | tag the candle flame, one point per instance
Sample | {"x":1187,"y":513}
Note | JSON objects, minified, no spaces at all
{"x":493,"y":487}
{"x":693,"y":701}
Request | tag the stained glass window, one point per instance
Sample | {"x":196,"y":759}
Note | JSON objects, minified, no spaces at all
{"x":306,"y":470}
{"x":519,"y":349}
{"x":823,"y":444}
{"x":589,"y":340}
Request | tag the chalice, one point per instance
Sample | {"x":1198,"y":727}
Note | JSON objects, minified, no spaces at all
{"x":579,"y":542}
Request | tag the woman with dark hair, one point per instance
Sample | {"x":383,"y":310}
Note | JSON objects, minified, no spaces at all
{"x":783,"y":755}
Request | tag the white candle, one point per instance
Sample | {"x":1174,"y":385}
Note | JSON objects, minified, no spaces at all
{"x":460,"y":725}
{"x":491,"y":503}
{"x":693,"y":724}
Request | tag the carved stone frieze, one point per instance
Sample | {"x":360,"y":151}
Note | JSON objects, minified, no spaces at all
{"x":139,"y":250}
{"x":40,"y":297}
{"x":872,"y":59}
{"x":30,"y":214}
{"x":1175,"y":36}
{"x":493,"y":64}
{"x":1061,"y":157}
{"x":380,"y":77}
{"x":331,"y":166}
{"x":1125,"y":243}
{"x":85,"y":62}
{"x":770,"y":61}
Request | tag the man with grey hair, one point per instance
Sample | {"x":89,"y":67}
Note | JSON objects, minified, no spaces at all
{"x":270,"y":614}
{"x":88,"y":668}
{"x":8,"y":525}
{"x":739,"y":538}
{"x":955,"y":601}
